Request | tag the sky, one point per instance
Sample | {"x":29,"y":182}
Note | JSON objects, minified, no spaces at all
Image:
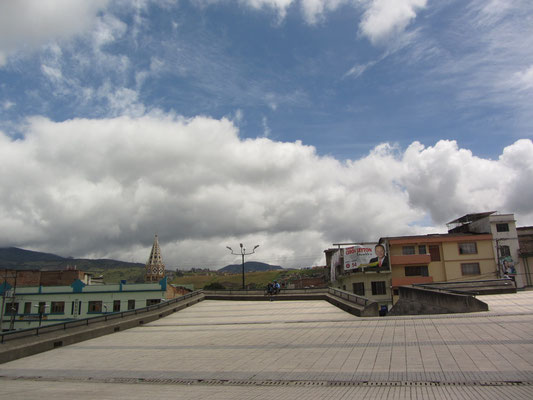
{"x":291,"y":124}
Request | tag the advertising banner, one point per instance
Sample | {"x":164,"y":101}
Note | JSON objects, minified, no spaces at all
{"x":366,"y":256}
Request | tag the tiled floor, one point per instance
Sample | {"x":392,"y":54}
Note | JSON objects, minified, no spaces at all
{"x":296,"y":349}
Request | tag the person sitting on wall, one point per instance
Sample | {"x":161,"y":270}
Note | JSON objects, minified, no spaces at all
{"x":270,"y":288}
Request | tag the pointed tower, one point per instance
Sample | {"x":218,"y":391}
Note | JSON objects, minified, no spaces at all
{"x":155,"y":269}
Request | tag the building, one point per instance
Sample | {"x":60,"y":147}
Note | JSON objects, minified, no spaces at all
{"x":370,"y":282}
{"x":155,"y":269}
{"x":35,"y":298}
{"x":451,"y":257}
{"x":41,"y":305}
{"x":505,"y":244}
{"x":477,"y":246}
{"x":44,"y":278}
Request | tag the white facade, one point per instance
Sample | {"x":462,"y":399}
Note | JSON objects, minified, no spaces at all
{"x":44,"y":305}
{"x":505,"y":243}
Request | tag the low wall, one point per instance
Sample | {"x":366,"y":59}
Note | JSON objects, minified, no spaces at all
{"x":370,"y":310}
{"x":339,"y":298}
{"x":484,"y":287}
{"x":417,"y":300}
{"x":22,"y":344}
{"x":261,"y":295}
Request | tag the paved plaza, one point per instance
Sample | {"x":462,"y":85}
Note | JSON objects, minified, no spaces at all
{"x":293,"y":350}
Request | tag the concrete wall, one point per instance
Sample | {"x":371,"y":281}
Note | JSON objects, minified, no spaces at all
{"x":345,"y":282}
{"x":417,"y":301}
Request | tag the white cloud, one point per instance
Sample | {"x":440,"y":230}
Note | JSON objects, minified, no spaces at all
{"x":280,"y":6}
{"x":6,"y":105}
{"x":28,"y":24}
{"x":485,"y":55}
{"x":524,"y":79}
{"x":52,"y":73}
{"x":386,"y":18}
{"x":314,"y":10}
{"x":266,"y":129}
{"x":103,"y":187}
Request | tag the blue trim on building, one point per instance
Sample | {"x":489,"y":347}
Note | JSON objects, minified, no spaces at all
{"x":77,"y":286}
{"x":4,"y":287}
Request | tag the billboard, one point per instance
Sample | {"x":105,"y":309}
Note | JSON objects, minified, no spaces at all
{"x":366,"y":257}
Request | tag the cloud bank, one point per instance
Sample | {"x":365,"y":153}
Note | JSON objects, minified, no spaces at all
{"x":104,"y":187}
{"x":27,"y":24}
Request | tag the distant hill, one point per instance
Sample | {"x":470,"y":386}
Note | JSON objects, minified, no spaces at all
{"x":13,"y":257}
{"x":249,"y":266}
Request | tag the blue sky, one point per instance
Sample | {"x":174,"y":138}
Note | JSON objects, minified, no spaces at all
{"x":409,"y":93}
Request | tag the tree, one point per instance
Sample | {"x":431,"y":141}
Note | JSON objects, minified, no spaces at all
{"x":214,"y":286}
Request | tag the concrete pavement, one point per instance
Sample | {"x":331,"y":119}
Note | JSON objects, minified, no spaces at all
{"x":292,"y":350}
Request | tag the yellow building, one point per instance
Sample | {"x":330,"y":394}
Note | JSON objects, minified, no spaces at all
{"x":440,"y":258}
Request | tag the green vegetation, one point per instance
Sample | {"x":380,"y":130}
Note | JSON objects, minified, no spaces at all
{"x":253,"y":280}
{"x":215,"y":286}
{"x":115,"y":275}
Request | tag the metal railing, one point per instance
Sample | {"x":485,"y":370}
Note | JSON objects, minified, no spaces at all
{"x":91,"y":320}
{"x":351,"y":297}
{"x":342,"y":294}
{"x":261,"y":292}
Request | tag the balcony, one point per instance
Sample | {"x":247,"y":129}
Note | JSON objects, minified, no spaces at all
{"x":412,"y":259}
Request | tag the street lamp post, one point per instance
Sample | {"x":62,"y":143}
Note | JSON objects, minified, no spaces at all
{"x":242,"y":254}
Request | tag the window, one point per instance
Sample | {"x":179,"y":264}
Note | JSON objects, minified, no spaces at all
{"x":396,"y":292}
{"x":151,"y":302}
{"x":502,"y":227}
{"x":116,"y":305}
{"x":131,"y":304}
{"x":468,"y":248}
{"x":470,"y":269}
{"x":422,"y":249}
{"x":407,"y":250}
{"x":434,"y":251}
{"x":505,"y":251}
{"x":359,"y":288}
{"x":58,"y":307}
{"x":11,"y":308}
{"x":95,"y":306}
{"x":419,"y":270}
{"x":27,"y":307}
{"x":378,"y":288}
{"x":343,"y":287}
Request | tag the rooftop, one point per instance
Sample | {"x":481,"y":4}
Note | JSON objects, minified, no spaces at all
{"x":293,"y":350}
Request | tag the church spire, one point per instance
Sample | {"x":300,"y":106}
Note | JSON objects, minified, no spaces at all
{"x":155,"y":269}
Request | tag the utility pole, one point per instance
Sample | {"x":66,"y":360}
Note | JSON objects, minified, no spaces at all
{"x":13,"y":310}
{"x":3,"y":300}
{"x":242,"y":253}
